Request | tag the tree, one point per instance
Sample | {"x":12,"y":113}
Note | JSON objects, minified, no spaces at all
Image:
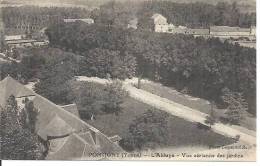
{"x":16,"y":54}
{"x":202,"y":66}
{"x":236,"y":105}
{"x":114,"y":97}
{"x":11,"y":69}
{"x":89,"y":99}
{"x":17,"y":142}
{"x":194,"y":15}
{"x":93,"y":99}
{"x":30,"y":66}
{"x":28,"y":115}
{"x":60,"y":67}
{"x":114,"y":13}
{"x":2,"y":41}
{"x":100,"y":62}
{"x":147,"y":131}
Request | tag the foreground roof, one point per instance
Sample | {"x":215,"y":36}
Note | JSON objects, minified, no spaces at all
{"x":72,"y":108}
{"x":69,"y":136}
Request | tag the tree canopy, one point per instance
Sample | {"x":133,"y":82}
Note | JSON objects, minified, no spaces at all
{"x":60,"y":67}
{"x":93,"y":99}
{"x":201,"y":66}
{"x":194,"y":15}
{"x":18,"y":142}
{"x":147,"y":131}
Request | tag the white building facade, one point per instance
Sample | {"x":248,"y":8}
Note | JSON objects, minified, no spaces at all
{"x":160,"y":23}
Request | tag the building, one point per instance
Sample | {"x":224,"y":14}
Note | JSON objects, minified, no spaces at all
{"x":68,"y":137}
{"x":249,"y":44}
{"x":198,"y":32}
{"x":160,"y":23}
{"x":226,"y":31}
{"x":20,"y":41}
{"x":245,"y":37}
{"x":14,"y":37}
{"x":85,"y":20}
{"x":26,"y":43}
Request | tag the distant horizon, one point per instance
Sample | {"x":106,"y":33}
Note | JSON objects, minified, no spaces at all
{"x":245,"y":5}
{"x":240,"y":2}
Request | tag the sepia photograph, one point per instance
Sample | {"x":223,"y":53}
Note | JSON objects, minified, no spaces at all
{"x":128,"y":80}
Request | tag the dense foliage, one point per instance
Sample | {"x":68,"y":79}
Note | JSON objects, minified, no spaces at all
{"x":93,"y":99}
{"x":107,"y":63}
{"x":115,"y":13}
{"x":38,"y":17}
{"x":236,"y":106}
{"x":147,"y":131}
{"x":186,"y":14}
{"x":201,"y":66}
{"x":197,"y":14}
{"x":59,"y":68}
{"x":18,"y":139}
{"x":102,"y":54}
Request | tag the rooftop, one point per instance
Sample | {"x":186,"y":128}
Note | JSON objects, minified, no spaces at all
{"x":71,"y":138}
{"x":228,"y":29}
{"x":14,"y":37}
{"x":86,"y":20}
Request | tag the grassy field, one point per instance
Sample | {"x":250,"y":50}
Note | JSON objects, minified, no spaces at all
{"x":173,"y":95}
{"x":118,"y":125}
{"x":181,"y":132}
{"x":202,"y":105}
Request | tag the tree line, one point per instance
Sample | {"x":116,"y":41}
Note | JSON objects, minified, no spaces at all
{"x":38,"y":16}
{"x":193,"y":15}
{"x":201,"y":66}
{"x":197,"y":15}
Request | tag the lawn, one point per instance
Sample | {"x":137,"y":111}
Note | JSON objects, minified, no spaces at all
{"x":118,"y":125}
{"x":178,"y":97}
{"x":181,"y":132}
{"x":202,"y":105}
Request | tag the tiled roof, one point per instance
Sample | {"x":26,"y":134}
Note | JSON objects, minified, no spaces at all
{"x":71,"y":138}
{"x":14,"y":37}
{"x":55,"y":128}
{"x":72,"y":108}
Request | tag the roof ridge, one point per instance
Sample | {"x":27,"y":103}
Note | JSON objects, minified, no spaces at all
{"x":68,"y":105}
{"x":70,"y":114}
{"x":55,"y":105}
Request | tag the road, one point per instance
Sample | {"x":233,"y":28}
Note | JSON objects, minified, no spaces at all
{"x":176,"y":109}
